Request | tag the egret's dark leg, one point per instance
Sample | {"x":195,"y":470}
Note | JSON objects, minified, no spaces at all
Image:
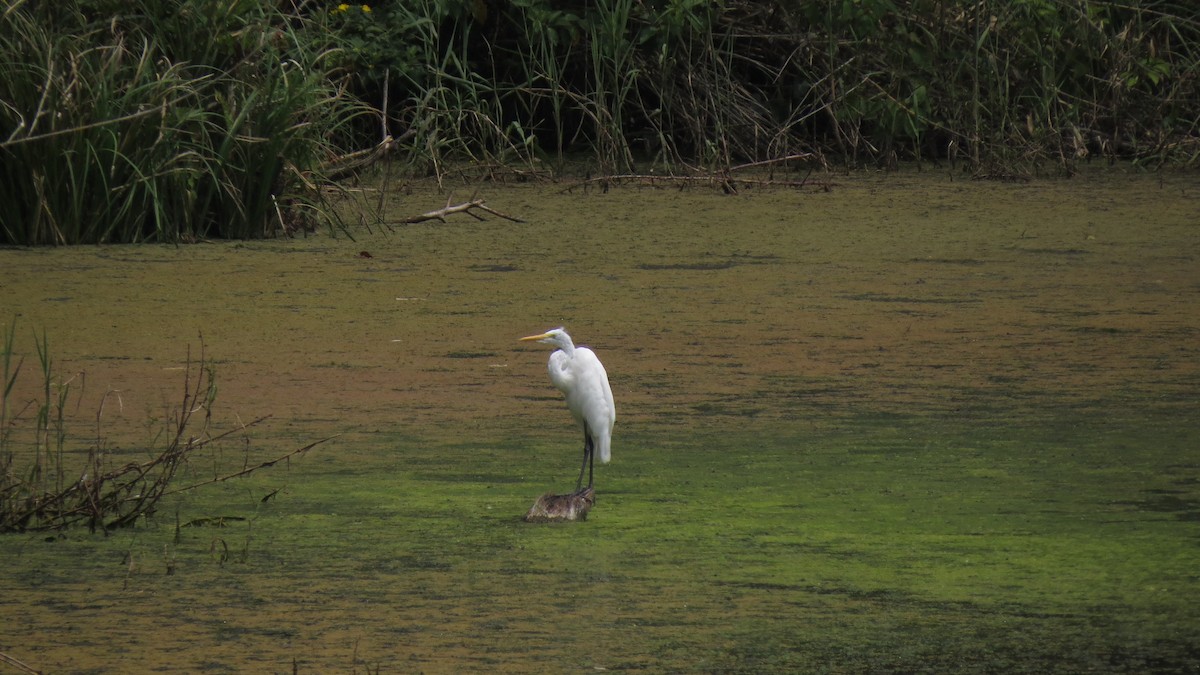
{"x":587,"y":455}
{"x":591,"y":459}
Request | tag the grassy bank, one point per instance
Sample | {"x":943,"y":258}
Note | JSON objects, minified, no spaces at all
{"x":146,"y":121}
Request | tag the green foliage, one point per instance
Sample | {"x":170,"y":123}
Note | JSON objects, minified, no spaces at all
{"x":138,"y":120}
{"x":162,"y":121}
{"x":377,"y":43}
{"x":420,"y":58}
{"x":613,"y":79}
{"x":1002,"y":86}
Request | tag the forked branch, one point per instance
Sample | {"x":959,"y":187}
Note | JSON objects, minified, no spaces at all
{"x":449,"y":210}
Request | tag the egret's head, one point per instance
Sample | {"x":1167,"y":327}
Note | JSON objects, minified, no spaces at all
{"x":557,"y":337}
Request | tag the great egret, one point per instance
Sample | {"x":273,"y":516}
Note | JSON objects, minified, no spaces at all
{"x":581,"y":378}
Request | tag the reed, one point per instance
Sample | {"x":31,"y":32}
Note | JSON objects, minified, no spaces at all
{"x":613,"y":78}
{"x":996,"y":88}
{"x":197,"y":118}
{"x":173,"y":121}
{"x":545,"y":65}
{"x":44,"y":486}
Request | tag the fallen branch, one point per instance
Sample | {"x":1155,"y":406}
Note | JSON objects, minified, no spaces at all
{"x":726,"y":183}
{"x":465,"y":207}
{"x":15,"y":663}
{"x":107,"y":496}
{"x":341,"y":166}
{"x":243,"y":472}
{"x":775,"y":160}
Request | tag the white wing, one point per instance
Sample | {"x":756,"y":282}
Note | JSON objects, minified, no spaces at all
{"x":584,"y":382}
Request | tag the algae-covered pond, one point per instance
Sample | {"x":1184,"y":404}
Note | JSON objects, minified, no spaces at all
{"x":908,"y":424}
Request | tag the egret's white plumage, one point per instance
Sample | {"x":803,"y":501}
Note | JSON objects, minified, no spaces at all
{"x":581,"y":378}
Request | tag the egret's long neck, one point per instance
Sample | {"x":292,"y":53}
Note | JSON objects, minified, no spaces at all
{"x":565,"y":344}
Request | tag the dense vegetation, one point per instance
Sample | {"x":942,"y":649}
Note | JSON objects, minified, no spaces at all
{"x":137,"y":119}
{"x":1001,"y":84}
{"x":134,"y":120}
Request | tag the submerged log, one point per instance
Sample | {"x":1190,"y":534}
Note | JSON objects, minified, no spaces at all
{"x":550,"y":508}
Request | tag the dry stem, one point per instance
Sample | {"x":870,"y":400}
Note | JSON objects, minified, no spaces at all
{"x":465,"y":207}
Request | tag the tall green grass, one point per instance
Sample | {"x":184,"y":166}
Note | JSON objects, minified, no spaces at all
{"x":995,"y":87}
{"x":162,"y":121}
{"x":1015,"y":84}
{"x":138,"y":120}
{"x":613,"y":79}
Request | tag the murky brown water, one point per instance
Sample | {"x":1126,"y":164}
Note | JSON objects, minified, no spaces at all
{"x":890,"y":293}
{"x":714,"y":314}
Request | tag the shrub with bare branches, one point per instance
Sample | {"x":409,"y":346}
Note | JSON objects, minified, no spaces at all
{"x":40,"y":490}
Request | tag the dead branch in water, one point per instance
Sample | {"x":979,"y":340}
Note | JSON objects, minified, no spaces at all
{"x":726,"y":183}
{"x":465,"y":207}
{"x":775,"y":160}
{"x":107,"y":495}
{"x":252,"y":469}
{"x":19,"y":665}
{"x":343,"y":165}
{"x":550,"y":508}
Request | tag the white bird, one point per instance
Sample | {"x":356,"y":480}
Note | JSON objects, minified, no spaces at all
{"x":581,"y":378}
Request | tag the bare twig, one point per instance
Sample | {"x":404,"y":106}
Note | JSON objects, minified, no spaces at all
{"x":776,"y":160}
{"x":252,"y":469}
{"x":107,"y":496}
{"x":30,"y":137}
{"x":726,"y":183}
{"x":15,"y":663}
{"x":351,"y":162}
{"x":465,"y":207}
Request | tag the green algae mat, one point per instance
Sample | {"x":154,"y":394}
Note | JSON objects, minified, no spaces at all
{"x":910,"y":424}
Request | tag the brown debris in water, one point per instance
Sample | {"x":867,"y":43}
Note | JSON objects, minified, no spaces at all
{"x":465,"y":207}
{"x":550,"y":508}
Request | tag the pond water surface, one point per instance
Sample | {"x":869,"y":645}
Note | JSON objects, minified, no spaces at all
{"x":907,"y":424}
